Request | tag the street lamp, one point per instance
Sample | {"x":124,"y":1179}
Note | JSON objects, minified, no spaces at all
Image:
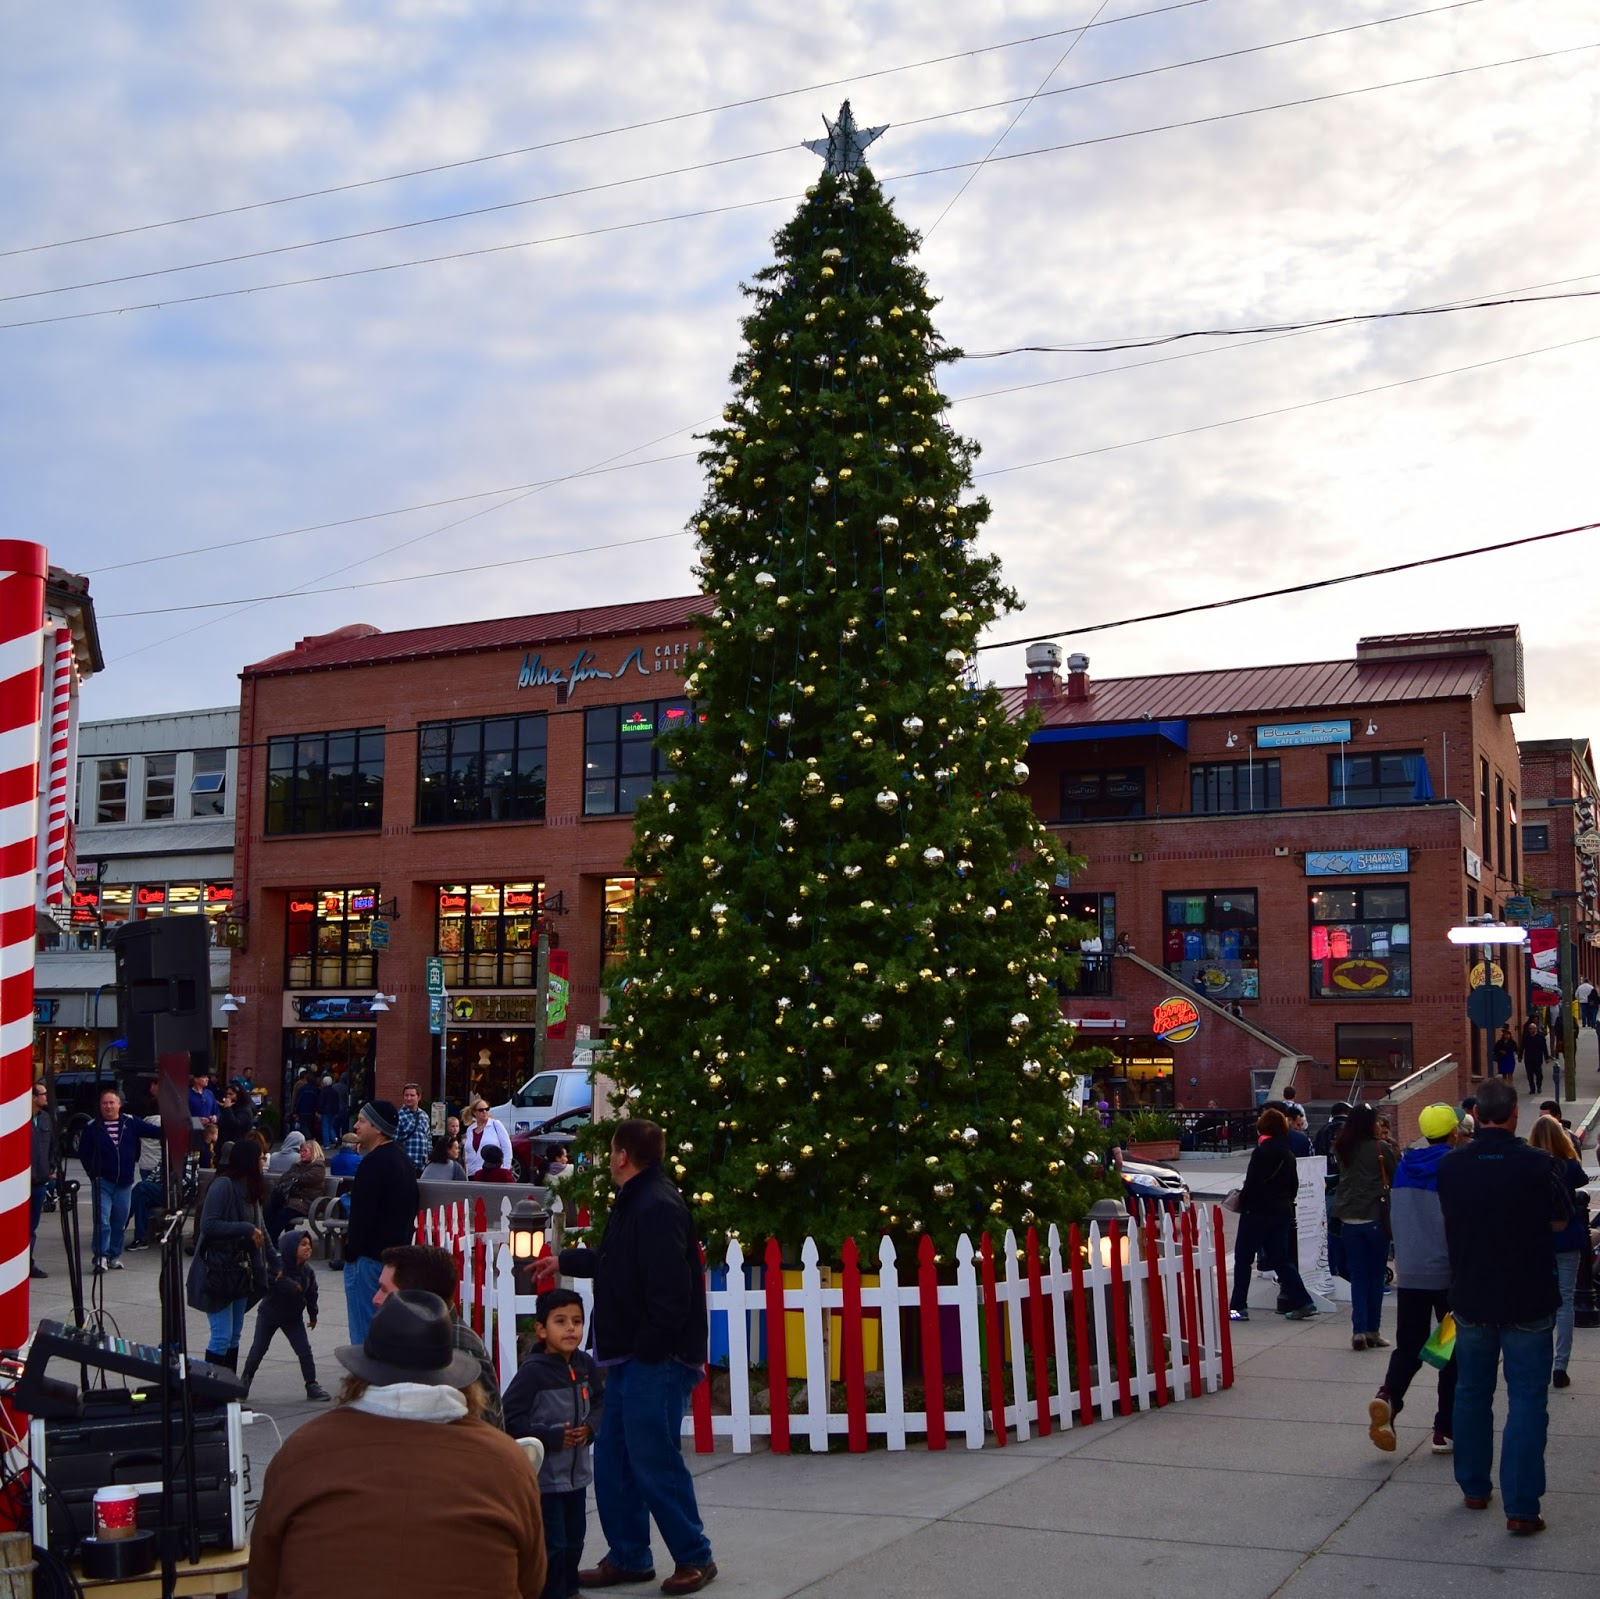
{"x":1104,"y":1212}
{"x":530,"y":1227}
{"x":1494,"y":1008}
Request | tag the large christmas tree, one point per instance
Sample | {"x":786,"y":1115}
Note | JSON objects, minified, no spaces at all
{"x":839,"y":992}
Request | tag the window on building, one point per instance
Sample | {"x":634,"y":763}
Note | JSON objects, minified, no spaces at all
{"x":621,"y":759}
{"x":1092,"y":920}
{"x":1372,"y":1051}
{"x":1096,"y":796}
{"x":325,"y":782}
{"x":621,"y":892}
{"x":1386,"y":777}
{"x":1213,"y":942}
{"x":1216,"y":786}
{"x":490,"y":769}
{"x":326,"y":939}
{"x":1516,"y":840}
{"x":1485,"y":820}
{"x":1500,"y":860}
{"x":111,"y":791}
{"x":488,"y":934}
{"x":160,"y":787}
{"x":1536,"y":838}
{"x":1361,"y":943}
{"x":208,"y":786}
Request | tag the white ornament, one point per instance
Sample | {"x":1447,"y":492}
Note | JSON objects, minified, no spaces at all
{"x":739,"y":779}
{"x":765,"y":580}
{"x":933,"y":855}
{"x":872,"y":1021}
{"x":888,"y":800}
{"x":820,"y":483}
{"x":969,"y":1136}
{"x":794,"y":918}
{"x":784,"y":1002}
{"x":785,"y":719}
{"x":913,"y":725}
{"x":1020,"y":770}
{"x":955,"y":659}
{"x":1031,"y":1068}
{"x":852,"y":872}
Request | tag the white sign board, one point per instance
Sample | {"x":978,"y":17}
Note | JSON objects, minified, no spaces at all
{"x":1311,"y":1232}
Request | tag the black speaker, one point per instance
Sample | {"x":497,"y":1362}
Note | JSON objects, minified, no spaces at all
{"x":164,"y":988}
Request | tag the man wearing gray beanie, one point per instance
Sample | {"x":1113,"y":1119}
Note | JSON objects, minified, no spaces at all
{"x":383,"y":1210}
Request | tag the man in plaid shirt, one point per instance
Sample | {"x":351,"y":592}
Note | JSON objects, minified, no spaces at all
{"x":412,"y":1130}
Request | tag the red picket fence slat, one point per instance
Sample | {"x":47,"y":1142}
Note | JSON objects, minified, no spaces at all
{"x":852,"y":1356}
{"x":1119,"y":1317}
{"x":991,"y":1329}
{"x":932,"y":1345}
{"x":700,"y":1399}
{"x":777,"y":1350}
{"x":1036,"y":1323}
{"x":1225,"y":1331}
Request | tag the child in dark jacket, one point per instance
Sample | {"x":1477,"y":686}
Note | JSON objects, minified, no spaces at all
{"x":290,"y":1305}
{"x":556,"y":1397}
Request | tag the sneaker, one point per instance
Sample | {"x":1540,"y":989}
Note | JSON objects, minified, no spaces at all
{"x":139,"y":1243}
{"x":99,"y":1264}
{"x":1380,"y":1422}
{"x":1443,"y":1443}
{"x":1376,"y":1342}
{"x":1560,"y":1379}
{"x":35,"y":1272}
{"x":315,"y":1390}
{"x":115,"y":1263}
{"x":1238,"y":1315}
{"x":1304,"y":1313}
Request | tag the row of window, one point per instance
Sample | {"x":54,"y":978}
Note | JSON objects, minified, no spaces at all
{"x":107,"y":784}
{"x":486,"y":934}
{"x":1358,"y":942}
{"x":96,"y":906}
{"x":481,"y":769}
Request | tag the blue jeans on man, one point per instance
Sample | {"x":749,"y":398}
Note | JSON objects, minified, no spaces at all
{"x":360,"y":1284}
{"x":1366,"y":1256}
{"x":1526,"y":1350}
{"x":111,"y":1219}
{"x":639,"y":1470}
{"x":330,"y":1131}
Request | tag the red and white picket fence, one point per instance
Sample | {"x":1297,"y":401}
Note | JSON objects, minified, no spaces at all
{"x":1050,"y":1333}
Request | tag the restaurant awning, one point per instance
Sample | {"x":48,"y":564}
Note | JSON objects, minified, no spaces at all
{"x":1175,"y":732}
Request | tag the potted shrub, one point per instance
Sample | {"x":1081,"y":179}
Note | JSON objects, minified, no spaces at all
{"x":1153,"y":1135}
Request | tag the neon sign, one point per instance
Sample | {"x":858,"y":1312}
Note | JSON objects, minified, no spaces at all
{"x":1175,"y":1020}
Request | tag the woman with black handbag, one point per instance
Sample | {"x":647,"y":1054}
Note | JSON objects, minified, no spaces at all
{"x":229,"y":1271}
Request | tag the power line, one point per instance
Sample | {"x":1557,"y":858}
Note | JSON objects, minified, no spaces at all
{"x":656,"y":538}
{"x":605,"y":133}
{"x":704,"y":166}
{"x":745,"y":205}
{"x":1293,"y":588}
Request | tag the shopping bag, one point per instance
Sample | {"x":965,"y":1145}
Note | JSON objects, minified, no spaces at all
{"x":1440,"y":1349}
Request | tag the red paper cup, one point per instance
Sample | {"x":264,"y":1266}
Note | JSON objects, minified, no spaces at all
{"x":116,"y":1512}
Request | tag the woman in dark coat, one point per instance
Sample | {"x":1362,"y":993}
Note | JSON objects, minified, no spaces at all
{"x":231,"y":1230}
{"x":1366,"y":1168}
{"x":1266,"y":1221}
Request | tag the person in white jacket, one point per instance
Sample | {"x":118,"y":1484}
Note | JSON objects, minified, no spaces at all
{"x":483,"y":1132}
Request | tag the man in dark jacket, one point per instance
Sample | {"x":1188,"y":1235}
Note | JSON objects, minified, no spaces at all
{"x":383,"y":1211}
{"x":109,"y":1150}
{"x":1503,"y":1204}
{"x":42,"y":1148}
{"x":649,"y":1333}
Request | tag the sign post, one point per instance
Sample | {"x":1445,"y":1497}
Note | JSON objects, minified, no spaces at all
{"x":439,"y":1008}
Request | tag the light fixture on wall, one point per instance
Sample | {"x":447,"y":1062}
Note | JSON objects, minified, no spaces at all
{"x":1372,"y":727}
{"x":381,"y":1002}
{"x":232,"y":1003}
{"x":1233,"y":739}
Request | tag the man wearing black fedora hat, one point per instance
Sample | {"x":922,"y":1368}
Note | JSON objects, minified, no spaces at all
{"x":329,"y":1513}
{"x":383,"y":1210}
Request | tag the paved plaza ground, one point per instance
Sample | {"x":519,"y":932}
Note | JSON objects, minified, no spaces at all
{"x":1271,"y":1488}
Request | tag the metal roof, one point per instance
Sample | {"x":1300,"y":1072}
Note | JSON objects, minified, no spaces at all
{"x":359,"y":645}
{"x":1252,"y":690}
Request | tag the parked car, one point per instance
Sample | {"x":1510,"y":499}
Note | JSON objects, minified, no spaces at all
{"x":1143,"y":1182}
{"x":531,"y":1147}
{"x":543,"y":1096}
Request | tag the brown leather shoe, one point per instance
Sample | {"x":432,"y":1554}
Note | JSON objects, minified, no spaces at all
{"x":606,"y":1575}
{"x":1473,"y":1502}
{"x":688,"y":1579}
{"x":1524,"y":1526}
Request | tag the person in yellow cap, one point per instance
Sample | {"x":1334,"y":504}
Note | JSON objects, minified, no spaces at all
{"x":1422,"y":1278}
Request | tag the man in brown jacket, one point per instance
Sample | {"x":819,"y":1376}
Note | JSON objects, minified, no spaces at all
{"x":404,"y":1449}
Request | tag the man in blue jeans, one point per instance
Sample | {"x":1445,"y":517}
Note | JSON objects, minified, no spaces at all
{"x":649,"y":1331}
{"x":383,"y":1211}
{"x":1503,"y":1204}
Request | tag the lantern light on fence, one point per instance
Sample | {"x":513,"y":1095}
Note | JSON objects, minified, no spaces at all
{"x":530,"y":1226}
{"x":1104,"y":1212}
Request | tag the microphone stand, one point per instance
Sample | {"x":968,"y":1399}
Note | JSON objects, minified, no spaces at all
{"x":175,"y":1380}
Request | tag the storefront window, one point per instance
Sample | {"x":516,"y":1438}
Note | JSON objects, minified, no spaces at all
{"x":97,"y":906}
{"x":620,"y":895}
{"x":1372,"y":1050}
{"x":487,"y":770}
{"x":622,"y":761}
{"x":1361,"y":943}
{"x":1091,"y":796}
{"x":488,"y":934}
{"x":326,"y":939}
{"x":1213,"y":942}
{"x":325,"y":782}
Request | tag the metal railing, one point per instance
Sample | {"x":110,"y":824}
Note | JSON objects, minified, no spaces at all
{"x":1094,"y":978}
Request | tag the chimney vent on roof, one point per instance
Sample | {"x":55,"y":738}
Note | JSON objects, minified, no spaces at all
{"x":1077,"y":677}
{"x":1044,"y":673}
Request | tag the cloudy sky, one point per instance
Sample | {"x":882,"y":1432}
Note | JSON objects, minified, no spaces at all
{"x":598,"y":331}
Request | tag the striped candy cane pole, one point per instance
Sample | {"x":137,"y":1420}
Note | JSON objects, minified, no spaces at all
{"x":55,"y":860}
{"x":22,"y":577}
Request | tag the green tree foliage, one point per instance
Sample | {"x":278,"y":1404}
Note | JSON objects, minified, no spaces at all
{"x":839,"y":990}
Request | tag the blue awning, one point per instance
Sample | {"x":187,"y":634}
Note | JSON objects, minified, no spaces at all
{"x":1173,"y":732}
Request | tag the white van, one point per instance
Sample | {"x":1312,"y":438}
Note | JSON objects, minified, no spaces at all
{"x":545,"y":1096}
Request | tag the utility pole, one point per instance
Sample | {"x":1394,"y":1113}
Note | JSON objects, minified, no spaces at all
{"x":1569,"y":1030}
{"x":541,"y":1000}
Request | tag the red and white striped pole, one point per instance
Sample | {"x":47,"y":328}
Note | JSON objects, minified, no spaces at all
{"x":55,"y":858}
{"x":22,"y":579}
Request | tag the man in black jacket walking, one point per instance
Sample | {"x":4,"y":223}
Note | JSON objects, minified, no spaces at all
{"x":649,"y":1332}
{"x":1503,"y":1204}
{"x":383,"y":1211}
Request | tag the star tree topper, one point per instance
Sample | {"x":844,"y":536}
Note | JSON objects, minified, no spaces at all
{"x":845,"y":144}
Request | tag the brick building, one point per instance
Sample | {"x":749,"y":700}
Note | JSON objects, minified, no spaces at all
{"x":448,"y":789}
{"x":1560,"y":801}
{"x":1289,"y":841}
